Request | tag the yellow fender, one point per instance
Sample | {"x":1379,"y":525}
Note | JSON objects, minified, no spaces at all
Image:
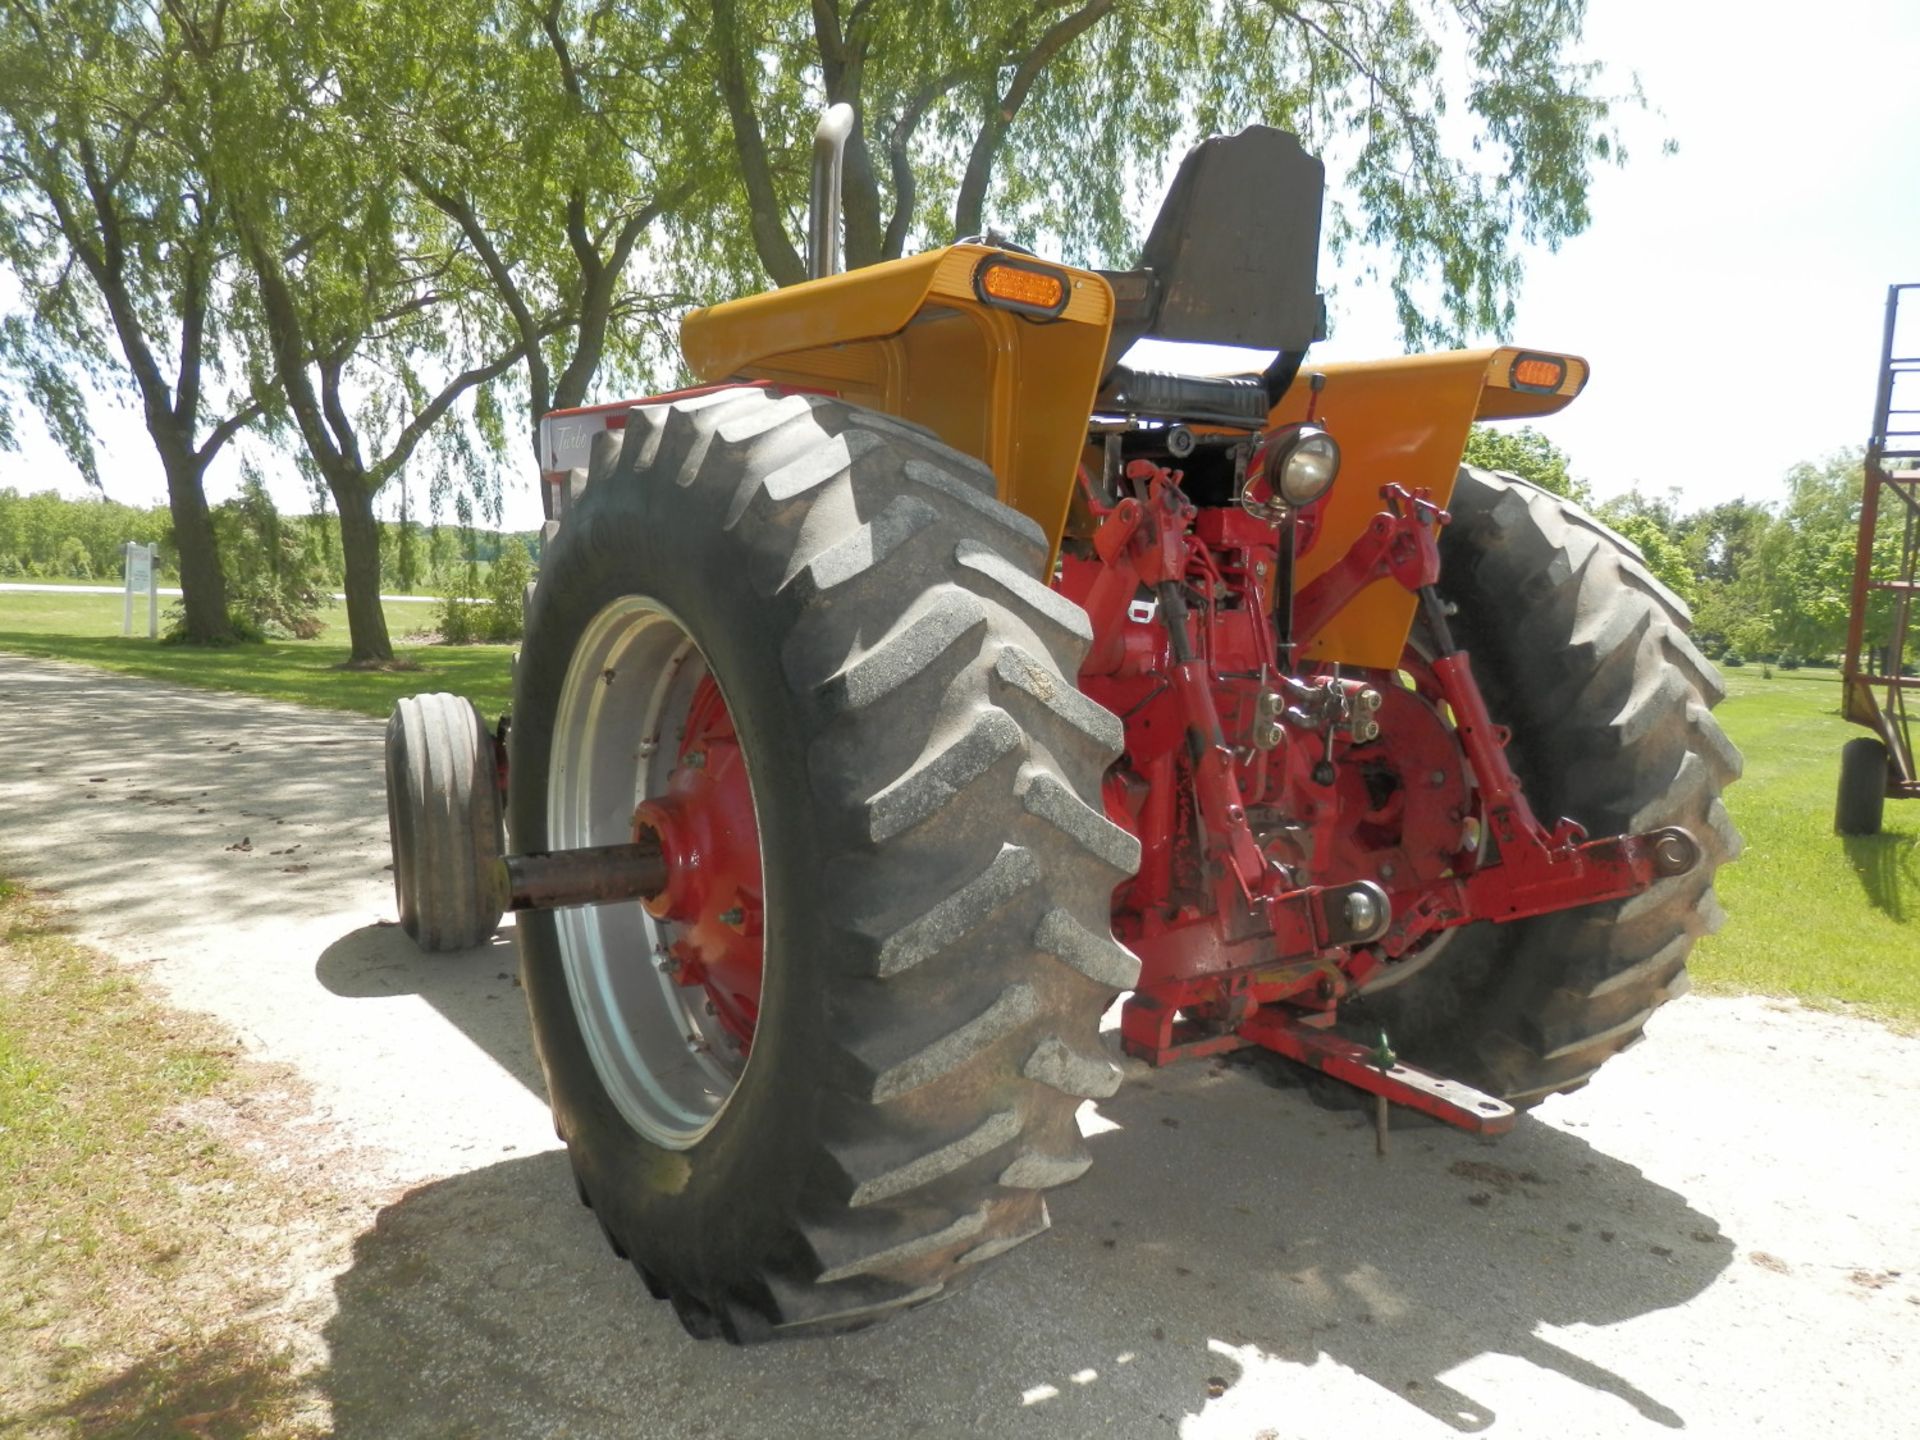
{"x":916,"y":338}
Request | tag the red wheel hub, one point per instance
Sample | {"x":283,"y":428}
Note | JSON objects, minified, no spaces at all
{"x":705,"y":825}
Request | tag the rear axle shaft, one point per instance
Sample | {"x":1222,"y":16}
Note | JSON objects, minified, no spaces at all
{"x":596,"y":875}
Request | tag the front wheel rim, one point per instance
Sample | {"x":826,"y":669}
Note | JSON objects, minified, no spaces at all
{"x":669,"y":1037}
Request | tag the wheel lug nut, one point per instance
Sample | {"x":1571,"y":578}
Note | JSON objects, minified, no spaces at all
{"x":735,"y":917}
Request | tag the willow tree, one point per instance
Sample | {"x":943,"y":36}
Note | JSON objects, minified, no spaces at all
{"x":115,"y":234}
{"x":1457,"y":131}
{"x":365,"y":316}
{"x":560,"y":139}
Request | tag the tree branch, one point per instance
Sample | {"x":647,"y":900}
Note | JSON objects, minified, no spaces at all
{"x":972,"y":199}
{"x":776,"y":251}
{"x":193,"y":322}
{"x":460,"y":210}
{"x":416,"y":429}
{"x":894,"y":243}
{"x":569,"y":75}
{"x":286,"y":342}
{"x":331,"y":367}
{"x":599,"y":298}
{"x":226,"y":430}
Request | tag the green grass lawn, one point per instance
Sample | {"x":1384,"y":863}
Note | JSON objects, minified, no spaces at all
{"x":119,"y":1196}
{"x":86,"y":628}
{"x":1833,"y":921}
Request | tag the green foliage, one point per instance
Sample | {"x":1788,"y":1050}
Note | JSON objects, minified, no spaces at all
{"x":507,"y":585}
{"x":1454,"y":132}
{"x":47,"y":536}
{"x":274,"y":580}
{"x":1650,"y":526}
{"x":597,"y":134}
{"x":1525,"y":452}
{"x":1781,"y":581}
{"x":487,"y":611}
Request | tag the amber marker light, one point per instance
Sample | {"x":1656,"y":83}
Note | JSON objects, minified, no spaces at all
{"x":1019,"y":285}
{"x":1542,"y":374}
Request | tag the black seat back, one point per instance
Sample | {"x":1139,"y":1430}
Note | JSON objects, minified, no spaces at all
{"x":1233,"y":256}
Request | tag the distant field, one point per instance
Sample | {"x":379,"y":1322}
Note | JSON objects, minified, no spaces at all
{"x":86,"y":628}
{"x":1829,"y":920}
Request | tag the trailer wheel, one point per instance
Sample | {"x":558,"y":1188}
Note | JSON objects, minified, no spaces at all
{"x":1585,"y":656}
{"x":836,"y":1064}
{"x":444,"y":821}
{"x":1862,"y":801}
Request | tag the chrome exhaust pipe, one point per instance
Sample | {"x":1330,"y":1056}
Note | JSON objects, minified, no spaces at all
{"x":823,"y":211}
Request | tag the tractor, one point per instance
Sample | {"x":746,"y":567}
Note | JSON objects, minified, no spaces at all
{"x":929,"y":685}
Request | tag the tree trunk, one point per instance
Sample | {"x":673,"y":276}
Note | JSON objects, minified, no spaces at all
{"x":203,"y":588}
{"x":360,"y":555}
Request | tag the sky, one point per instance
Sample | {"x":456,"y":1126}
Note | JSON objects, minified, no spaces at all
{"x":1729,"y":297}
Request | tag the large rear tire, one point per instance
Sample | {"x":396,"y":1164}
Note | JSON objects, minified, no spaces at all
{"x":1585,"y":656}
{"x":935,"y":866}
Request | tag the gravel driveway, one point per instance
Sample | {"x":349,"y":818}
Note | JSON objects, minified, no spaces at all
{"x":1721,"y":1235}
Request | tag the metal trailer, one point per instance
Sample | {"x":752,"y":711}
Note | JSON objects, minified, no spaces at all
{"x":1877,"y":676}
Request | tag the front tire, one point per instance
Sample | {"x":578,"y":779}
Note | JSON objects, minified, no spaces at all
{"x":443,"y":822}
{"x":935,"y":864}
{"x":1862,"y":802}
{"x":1585,"y":656}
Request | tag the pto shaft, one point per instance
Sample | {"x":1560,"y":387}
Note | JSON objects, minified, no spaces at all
{"x":598,"y":875}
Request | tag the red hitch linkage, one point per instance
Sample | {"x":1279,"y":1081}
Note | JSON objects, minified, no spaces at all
{"x":1273,"y":957}
{"x":1448,"y":1100}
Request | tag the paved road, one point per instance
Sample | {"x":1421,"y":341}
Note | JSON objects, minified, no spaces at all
{"x":1718,"y":1236}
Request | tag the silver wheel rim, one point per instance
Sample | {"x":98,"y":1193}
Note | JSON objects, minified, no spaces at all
{"x":667,"y":1064}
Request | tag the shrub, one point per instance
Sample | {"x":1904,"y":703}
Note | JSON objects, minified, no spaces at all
{"x":274,"y":585}
{"x":473,"y":611}
{"x":457,"y":616}
{"x":1733,"y":658}
{"x":73,"y":562}
{"x":507,"y":590}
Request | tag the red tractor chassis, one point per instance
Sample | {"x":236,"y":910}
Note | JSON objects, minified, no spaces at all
{"x":1302,"y":826}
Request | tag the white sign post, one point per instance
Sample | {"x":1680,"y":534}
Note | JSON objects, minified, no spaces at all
{"x":142,"y":574}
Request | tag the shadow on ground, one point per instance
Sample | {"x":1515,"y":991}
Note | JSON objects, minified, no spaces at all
{"x":477,"y":990}
{"x":1888,"y":865}
{"x":257,"y":816}
{"x":226,"y":1386}
{"x":1223,"y":1222}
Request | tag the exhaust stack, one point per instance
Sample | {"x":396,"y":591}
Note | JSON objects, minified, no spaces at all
{"x":823,"y":213}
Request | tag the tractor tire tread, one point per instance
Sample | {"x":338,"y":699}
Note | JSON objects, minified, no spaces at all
{"x":1611,"y":708}
{"x":956,"y":772}
{"x":444,"y":818}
